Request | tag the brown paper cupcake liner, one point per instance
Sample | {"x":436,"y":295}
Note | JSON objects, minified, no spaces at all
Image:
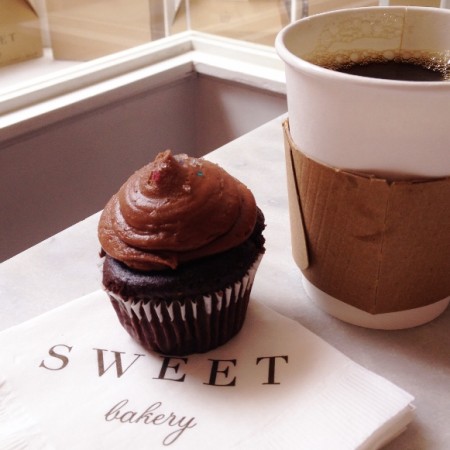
{"x":191,"y":325}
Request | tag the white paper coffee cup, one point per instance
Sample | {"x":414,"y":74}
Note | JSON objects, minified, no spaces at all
{"x":389,"y":128}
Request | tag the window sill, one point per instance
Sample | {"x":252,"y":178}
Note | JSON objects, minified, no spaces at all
{"x":53,"y":96}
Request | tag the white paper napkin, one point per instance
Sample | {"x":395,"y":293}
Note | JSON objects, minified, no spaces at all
{"x":82,"y":382}
{"x":18,"y":430}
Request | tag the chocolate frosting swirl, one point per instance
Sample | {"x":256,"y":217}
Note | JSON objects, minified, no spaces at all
{"x":173,"y":210}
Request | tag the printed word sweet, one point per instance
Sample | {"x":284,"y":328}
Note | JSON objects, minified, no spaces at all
{"x":218,"y":372}
{"x":153,"y":415}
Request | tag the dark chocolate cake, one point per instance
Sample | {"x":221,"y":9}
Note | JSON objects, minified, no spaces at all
{"x":188,"y":329}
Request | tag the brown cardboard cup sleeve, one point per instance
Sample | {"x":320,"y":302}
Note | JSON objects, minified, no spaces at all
{"x":378,"y":245}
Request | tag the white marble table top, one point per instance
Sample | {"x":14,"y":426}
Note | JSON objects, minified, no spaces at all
{"x":67,"y":266}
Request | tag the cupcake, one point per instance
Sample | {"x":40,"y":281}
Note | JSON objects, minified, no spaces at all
{"x":181,"y":241}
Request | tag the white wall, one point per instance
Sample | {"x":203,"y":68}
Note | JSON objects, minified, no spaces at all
{"x":57,"y":175}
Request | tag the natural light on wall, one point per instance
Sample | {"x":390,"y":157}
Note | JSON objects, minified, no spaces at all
{"x":57,"y":34}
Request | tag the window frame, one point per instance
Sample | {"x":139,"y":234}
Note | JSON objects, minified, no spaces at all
{"x":57,"y":95}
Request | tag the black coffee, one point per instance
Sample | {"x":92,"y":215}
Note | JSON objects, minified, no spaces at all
{"x":397,"y":70}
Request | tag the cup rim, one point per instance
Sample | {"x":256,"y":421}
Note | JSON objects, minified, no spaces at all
{"x":298,"y":63}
